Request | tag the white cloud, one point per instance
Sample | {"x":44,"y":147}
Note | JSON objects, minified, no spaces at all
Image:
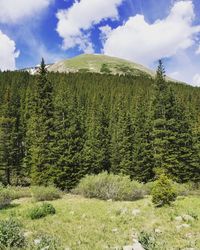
{"x":142,"y":42}
{"x":174,"y":75}
{"x":105,"y":32}
{"x":198,"y":50}
{"x":12,"y":11}
{"x":37,"y":50}
{"x":8,"y":53}
{"x":74,"y":22}
{"x":196,"y":80}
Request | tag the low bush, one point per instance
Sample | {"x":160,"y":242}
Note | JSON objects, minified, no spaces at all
{"x":41,"y":193}
{"x":5,"y":197}
{"x":11,"y":234}
{"x":163,"y":192}
{"x":181,"y":189}
{"x":41,"y":211}
{"x":193,"y":188}
{"x":147,"y":240}
{"x":109,"y":186}
{"x":148,"y":187}
{"x":45,"y":241}
{"x":17,"y":192}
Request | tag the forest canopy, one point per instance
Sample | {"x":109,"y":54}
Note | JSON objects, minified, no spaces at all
{"x":56,"y":128}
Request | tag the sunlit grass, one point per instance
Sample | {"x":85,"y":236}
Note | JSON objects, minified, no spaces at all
{"x":92,"y":224}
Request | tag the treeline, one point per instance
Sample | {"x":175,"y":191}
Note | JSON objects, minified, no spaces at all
{"x":56,"y":128}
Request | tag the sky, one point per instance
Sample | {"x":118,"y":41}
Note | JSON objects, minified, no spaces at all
{"x":141,"y":31}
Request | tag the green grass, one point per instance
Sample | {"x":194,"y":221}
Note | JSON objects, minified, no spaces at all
{"x":90,"y":224}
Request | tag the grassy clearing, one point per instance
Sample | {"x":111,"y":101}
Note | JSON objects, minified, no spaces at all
{"x":86,"y":224}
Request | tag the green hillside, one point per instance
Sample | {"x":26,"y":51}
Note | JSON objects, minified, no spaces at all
{"x":100,"y":64}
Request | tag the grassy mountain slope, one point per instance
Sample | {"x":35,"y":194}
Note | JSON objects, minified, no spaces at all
{"x":100,"y":63}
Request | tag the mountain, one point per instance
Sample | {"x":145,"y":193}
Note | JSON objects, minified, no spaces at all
{"x":33,"y":70}
{"x":98,"y":63}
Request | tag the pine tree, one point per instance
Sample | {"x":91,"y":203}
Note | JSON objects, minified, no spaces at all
{"x":122,"y":142}
{"x":172,"y":136}
{"x":143,"y":150}
{"x":41,"y":130}
{"x":7,"y":138}
{"x":30,"y":121}
{"x":60,"y":144}
{"x":96,"y":155}
{"x":68,"y":141}
{"x":160,"y":132}
{"x":183,"y":156}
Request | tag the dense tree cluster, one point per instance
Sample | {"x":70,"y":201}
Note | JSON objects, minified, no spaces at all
{"x":56,"y":128}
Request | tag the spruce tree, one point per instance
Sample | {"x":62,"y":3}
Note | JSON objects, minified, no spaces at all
{"x":183,"y":155}
{"x":160,"y":132}
{"x":172,"y":136}
{"x":30,"y":121}
{"x":7,"y":138}
{"x":96,"y":151}
{"x":41,"y":126}
{"x":143,"y":150}
{"x":68,"y":141}
{"x":122,"y":141}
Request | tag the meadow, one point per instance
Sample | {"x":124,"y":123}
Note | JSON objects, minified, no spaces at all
{"x":91,"y":224}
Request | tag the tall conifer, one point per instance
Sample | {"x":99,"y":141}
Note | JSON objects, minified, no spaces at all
{"x":172,"y":136}
{"x":42,"y":130}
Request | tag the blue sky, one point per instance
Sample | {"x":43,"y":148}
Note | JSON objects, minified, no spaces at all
{"x":138,"y":30}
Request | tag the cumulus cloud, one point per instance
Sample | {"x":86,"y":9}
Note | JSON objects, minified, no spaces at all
{"x":14,"y":11}
{"x":196,"y":80}
{"x":37,"y":50}
{"x":142,"y":42}
{"x":198,"y":50}
{"x":105,"y":32}
{"x":74,"y":23}
{"x":8,"y":53}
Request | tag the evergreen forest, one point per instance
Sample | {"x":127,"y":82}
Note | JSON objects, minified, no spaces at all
{"x":56,"y":128}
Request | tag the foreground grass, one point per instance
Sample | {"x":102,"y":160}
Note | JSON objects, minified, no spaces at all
{"x":89,"y":224}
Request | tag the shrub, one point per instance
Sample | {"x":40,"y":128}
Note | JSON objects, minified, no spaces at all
{"x":147,"y":240}
{"x":109,"y":186}
{"x":5,"y":197}
{"x":193,"y":188}
{"x":17,"y":192}
{"x":181,"y":189}
{"x":148,"y":187}
{"x":44,"y":241}
{"x":41,"y":211}
{"x":41,"y":193}
{"x":48,"y":208}
{"x":163,"y":192}
{"x":105,"y":69}
{"x":193,"y":215}
{"x":11,"y":234}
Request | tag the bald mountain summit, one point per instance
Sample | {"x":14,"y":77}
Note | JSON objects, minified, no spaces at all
{"x":97,"y":63}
